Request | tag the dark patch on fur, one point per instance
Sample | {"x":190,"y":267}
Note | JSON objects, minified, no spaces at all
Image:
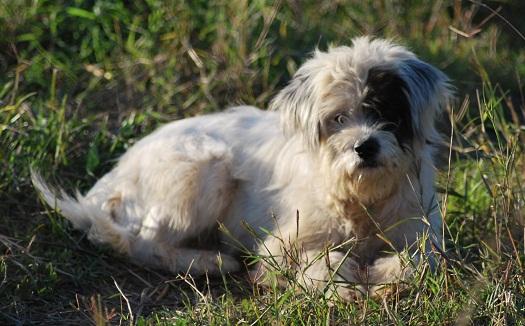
{"x":386,"y":102}
{"x":206,"y":239}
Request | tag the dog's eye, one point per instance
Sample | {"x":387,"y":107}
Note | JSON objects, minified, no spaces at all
{"x":341,"y":119}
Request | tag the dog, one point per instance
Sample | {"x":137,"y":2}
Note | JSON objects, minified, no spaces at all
{"x":335,"y":181}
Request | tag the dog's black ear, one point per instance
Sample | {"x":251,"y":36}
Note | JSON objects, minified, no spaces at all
{"x":429,"y":92}
{"x":297,"y":105}
{"x":387,"y":101}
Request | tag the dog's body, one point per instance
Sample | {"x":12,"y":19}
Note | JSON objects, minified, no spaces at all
{"x":343,"y":168}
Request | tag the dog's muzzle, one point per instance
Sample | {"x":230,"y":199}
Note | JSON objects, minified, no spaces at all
{"x":368,"y":150}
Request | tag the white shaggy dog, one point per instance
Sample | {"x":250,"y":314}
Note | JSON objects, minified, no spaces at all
{"x":340,"y":168}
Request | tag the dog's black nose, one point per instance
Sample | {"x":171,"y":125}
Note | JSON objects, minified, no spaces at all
{"x":367,"y":149}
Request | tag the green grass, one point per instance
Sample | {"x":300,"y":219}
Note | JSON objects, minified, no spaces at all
{"x":81,"y":81}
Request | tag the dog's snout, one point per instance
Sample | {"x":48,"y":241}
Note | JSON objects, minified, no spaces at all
{"x":367,"y":149}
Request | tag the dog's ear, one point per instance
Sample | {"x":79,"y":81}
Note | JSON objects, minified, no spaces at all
{"x":429,"y":93}
{"x":297,"y":105}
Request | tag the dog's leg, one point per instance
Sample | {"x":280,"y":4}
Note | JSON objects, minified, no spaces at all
{"x":158,"y":198}
{"x":180,"y":193}
{"x":387,"y":271}
{"x":331,"y":272}
{"x":398,"y":268}
{"x":182,"y":260}
{"x":150,"y":247}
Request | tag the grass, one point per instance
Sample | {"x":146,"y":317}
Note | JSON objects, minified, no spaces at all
{"x":81,"y":81}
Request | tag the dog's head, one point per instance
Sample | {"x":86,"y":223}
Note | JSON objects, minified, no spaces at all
{"x":369,"y":108}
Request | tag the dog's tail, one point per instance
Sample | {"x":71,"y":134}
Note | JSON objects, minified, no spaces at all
{"x":86,"y":214}
{"x":71,"y":208}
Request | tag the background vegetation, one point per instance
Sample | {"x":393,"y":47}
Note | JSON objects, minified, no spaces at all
{"x":81,"y":81}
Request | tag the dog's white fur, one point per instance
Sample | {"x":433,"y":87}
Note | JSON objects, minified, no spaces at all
{"x":292,"y":170}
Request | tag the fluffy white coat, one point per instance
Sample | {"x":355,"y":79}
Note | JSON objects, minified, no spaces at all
{"x":293,"y":171}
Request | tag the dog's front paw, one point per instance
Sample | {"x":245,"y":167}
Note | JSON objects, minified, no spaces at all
{"x":390,"y":269}
{"x":387,"y":276}
{"x":345,"y":279}
{"x":346,"y":292}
